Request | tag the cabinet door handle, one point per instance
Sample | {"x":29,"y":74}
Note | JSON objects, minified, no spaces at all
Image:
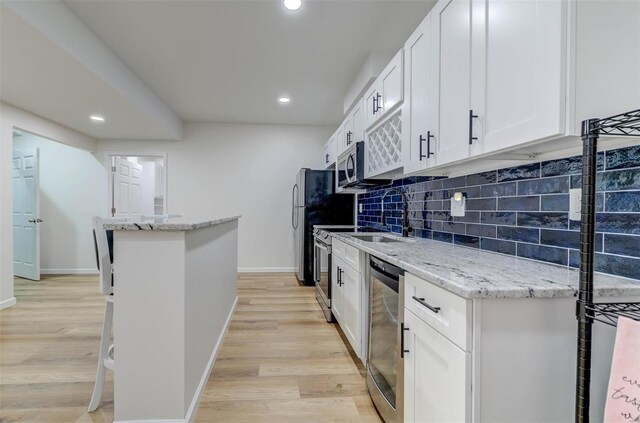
{"x":471,"y":118}
{"x":428,"y":140}
{"x":340,"y":276}
{"x":378,"y":107}
{"x":373,"y":104}
{"x":430,"y":307}
{"x":326,"y":158}
{"x":402,"y":329}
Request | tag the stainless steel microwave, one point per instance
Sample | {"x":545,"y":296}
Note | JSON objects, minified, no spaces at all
{"x":351,"y":169}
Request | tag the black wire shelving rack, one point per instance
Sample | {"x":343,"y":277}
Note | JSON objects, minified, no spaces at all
{"x":587,"y":312}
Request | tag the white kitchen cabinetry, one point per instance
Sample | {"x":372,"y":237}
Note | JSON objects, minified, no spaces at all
{"x":418,"y":119}
{"x":330,"y":152}
{"x":437,"y":376}
{"x":518,"y":68}
{"x":352,"y":127}
{"x":337,"y":296}
{"x":346,"y":293}
{"x":465,"y":357}
{"x":386,"y":91}
{"x":489,"y":76}
{"x":451,"y":90}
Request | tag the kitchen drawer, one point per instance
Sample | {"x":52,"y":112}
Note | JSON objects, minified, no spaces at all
{"x":452,"y":320}
{"x":347,"y":253}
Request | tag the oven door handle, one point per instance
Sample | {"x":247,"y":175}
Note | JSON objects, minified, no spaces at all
{"x":321,"y":245}
{"x":403,"y":351}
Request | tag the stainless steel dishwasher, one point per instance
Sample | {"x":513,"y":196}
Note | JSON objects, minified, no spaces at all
{"x":385,"y":366}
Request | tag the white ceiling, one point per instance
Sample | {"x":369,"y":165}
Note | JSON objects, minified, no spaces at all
{"x":37,"y":75}
{"x":229,"y":61}
{"x":146,"y":65}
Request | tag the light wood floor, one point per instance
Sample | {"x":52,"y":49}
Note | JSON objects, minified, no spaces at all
{"x":280,"y":360}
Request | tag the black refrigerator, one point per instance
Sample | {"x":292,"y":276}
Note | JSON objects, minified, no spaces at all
{"x":314,"y":202}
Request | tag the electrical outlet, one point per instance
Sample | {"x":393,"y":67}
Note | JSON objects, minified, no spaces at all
{"x":575,"y":204}
{"x":458,"y":204}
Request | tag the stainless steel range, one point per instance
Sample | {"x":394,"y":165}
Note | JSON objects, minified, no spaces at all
{"x":322,"y":265}
{"x":322,"y":262}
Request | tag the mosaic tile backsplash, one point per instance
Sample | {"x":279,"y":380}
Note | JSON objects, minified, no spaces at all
{"x":524,"y":211}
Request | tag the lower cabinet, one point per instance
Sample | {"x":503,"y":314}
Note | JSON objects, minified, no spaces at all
{"x":437,"y":376}
{"x":346,"y":300}
{"x":337,"y":295}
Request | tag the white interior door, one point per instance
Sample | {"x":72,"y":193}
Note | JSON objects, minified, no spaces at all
{"x":127,"y":189}
{"x":26,"y":208}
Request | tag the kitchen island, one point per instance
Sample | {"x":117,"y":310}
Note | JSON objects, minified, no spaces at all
{"x":175,"y":291}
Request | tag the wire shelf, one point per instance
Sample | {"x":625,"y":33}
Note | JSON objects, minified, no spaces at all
{"x":608,"y":313}
{"x":587,"y":312}
{"x":624,"y":125}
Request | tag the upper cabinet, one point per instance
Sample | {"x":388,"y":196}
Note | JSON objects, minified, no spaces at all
{"x":330,"y":150}
{"x":383,"y":121}
{"x":489,"y":76}
{"x":518,"y":68}
{"x":479,"y":78}
{"x":482,"y":75}
{"x":418,"y":144}
{"x":386,"y":91}
{"x":352,"y":128}
{"x":451,"y":90}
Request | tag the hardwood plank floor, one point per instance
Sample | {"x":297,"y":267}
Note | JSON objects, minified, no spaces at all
{"x":279,"y":362}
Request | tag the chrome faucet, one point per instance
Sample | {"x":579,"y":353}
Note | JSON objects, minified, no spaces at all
{"x":406,"y":229}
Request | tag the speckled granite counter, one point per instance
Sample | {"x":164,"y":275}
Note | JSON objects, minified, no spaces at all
{"x":475,"y":274}
{"x":171,"y":224}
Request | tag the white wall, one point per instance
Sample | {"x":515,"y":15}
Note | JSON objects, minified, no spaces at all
{"x":229,"y":169}
{"x":11,"y":117}
{"x":72,"y":190}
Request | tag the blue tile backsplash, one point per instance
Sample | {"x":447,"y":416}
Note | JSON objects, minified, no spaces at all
{"x":524,"y":211}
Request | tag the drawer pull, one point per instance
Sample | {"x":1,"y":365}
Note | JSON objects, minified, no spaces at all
{"x":430,"y":307}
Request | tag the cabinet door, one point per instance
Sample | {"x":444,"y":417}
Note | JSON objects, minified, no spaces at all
{"x":347,"y":132}
{"x":337,"y":293}
{"x":417,"y":119}
{"x":451,"y":91}
{"x":391,"y":84}
{"x":357,"y":116}
{"x":352,"y":318}
{"x":520,"y":57}
{"x":437,"y":385}
{"x":332,"y":152}
{"x":339,"y":140}
{"x":371,"y":101}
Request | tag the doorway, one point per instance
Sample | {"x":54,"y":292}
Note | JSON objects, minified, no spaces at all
{"x":26,"y":210}
{"x":137,"y":186}
{"x":57,"y":188}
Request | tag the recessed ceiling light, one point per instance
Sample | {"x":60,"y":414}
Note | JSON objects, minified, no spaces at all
{"x":292,"y":4}
{"x":96,"y":118}
{"x":284,"y":100}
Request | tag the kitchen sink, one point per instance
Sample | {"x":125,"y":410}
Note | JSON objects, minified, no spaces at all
{"x":376,"y":238}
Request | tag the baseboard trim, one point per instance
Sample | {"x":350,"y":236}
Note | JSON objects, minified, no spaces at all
{"x":7,"y":303}
{"x":266,"y":269}
{"x":149,"y":421}
{"x":203,"y":381}
{"x":207,"y":373}
{"x":69,"y":271}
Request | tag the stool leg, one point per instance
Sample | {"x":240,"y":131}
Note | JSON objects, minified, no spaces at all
{"x":104,"y":348}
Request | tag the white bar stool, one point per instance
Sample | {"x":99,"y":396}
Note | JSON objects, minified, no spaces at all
{"x":104,"y":255}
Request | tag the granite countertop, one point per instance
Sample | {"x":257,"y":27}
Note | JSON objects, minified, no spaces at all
{"x":170,"y":224}
{"x":476,"y":274}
